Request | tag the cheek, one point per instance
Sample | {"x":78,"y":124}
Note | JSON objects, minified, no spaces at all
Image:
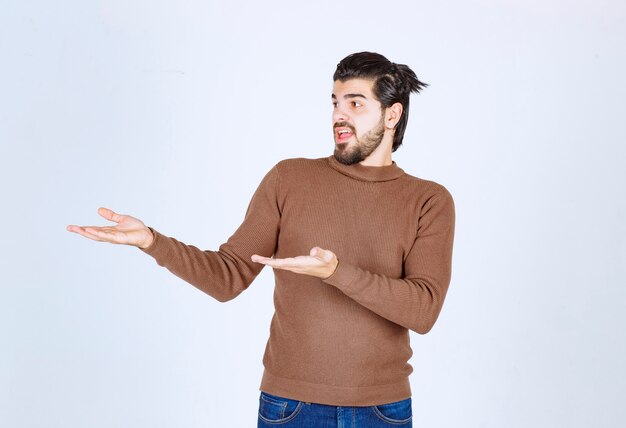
{"x":365,"y":125}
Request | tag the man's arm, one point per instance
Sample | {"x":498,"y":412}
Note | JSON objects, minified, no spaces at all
{"x":413,"y":301}
{"x":225,"y":273}
{"x":222,"y":274}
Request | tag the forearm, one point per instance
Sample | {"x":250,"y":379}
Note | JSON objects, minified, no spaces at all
{"x":225,"y":273}
{"x":415,"y":300}
{"x":220,"y":274}
{"x":412,"y":303}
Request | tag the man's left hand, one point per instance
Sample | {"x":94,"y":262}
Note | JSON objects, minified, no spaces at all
{"x":320,"y":263}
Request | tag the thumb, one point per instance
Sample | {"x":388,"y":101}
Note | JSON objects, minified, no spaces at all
{"x":109,"y":214}
{"x":317,"y":252}
{"x":321,"y":253}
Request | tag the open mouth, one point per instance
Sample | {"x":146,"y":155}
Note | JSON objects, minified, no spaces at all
{"x":343,"y":134}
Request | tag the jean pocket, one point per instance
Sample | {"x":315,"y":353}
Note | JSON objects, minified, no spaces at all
{"x":399,"y":412}
{"x":276,"y":410}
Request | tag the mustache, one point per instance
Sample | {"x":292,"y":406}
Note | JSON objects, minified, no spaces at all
{"x":344,"y":125}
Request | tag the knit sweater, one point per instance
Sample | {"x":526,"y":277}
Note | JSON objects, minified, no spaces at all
{"x":343,"y":340}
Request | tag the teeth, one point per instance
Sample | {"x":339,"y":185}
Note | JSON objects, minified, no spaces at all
{"x":343,"y":132}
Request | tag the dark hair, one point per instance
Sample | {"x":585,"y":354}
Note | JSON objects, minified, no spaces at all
{"x":393,"y":83}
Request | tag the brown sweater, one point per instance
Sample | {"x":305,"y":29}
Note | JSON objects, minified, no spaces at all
{"x":343,"y":340}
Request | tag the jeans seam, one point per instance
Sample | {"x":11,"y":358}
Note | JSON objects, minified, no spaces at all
{"x":283,"y":405}
{"x":389,"y":420}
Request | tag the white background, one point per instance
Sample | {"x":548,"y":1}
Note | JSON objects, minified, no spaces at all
{"x":172,"y":111}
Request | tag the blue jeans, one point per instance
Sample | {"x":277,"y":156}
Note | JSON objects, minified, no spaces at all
{"x":275,"y":411}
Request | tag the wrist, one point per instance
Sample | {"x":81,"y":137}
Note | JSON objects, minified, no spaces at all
{"x":148,"y":240}
{"x":333,"y":268}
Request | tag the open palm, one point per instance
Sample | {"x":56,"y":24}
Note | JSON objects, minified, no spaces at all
{"x":128,"y":230}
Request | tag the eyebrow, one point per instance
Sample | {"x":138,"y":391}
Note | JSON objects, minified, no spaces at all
{"x":346,"y":96}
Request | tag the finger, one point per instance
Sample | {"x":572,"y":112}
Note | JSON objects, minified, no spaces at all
{"x":279,"y":263}
{"x":264,"y":260}
{"x":257,"y":258}
{"x":101,"y":232}
{"x":261,"y":259}
{"x":109,"y":214}
{"x":75,"y":228}
{"x":83,"y":232}
{"x":104,"y":232}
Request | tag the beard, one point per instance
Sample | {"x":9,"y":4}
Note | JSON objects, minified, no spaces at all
{"x":350,"y":154}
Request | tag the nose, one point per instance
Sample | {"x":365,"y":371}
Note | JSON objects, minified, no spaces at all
{"x":339,"y":114}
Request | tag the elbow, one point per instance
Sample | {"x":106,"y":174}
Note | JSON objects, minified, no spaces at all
{"x":424,"y":320}
{"x":422,"y":327}
{"x":223,"y":298}
{"x":225,"y":295}
{"x":222,"y":294}
{"x":427,"y":311}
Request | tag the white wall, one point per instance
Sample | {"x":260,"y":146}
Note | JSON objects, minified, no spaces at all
{"x":173,"y":111}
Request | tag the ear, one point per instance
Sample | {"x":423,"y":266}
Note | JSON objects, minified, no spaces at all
{"x":393,"y":114}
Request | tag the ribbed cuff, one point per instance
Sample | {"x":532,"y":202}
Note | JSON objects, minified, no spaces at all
{"x":343,"y":276}
{"x":153,"y":248}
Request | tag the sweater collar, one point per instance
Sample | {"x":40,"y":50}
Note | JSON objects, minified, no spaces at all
{"x":367,"y":173}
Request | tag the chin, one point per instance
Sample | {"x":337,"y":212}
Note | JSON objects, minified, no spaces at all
{"x":347,"y":158}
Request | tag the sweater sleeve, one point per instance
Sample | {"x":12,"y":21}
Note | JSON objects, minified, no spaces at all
{"x":225,"y":273}
{"x":415,"y":300}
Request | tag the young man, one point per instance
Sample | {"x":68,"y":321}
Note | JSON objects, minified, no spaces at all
{"x":361,"y":253}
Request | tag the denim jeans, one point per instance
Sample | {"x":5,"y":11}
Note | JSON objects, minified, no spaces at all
{"x":275,"y":411}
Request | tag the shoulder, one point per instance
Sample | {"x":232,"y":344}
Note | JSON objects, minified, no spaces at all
{"x":433,"y":203}
{"x":292,"y":163}
{"x":427,"y":189}
{"x":299,"y":166}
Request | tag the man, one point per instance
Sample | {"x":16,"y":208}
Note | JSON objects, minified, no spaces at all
{"x":361,"y":253}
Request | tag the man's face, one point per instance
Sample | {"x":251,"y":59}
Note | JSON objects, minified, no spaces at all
{"x":358,"y":120}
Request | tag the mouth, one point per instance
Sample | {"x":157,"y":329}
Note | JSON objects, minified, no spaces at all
{"x":343,"y":134}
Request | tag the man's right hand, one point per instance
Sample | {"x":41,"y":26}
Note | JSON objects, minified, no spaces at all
{"x":128,"y":230}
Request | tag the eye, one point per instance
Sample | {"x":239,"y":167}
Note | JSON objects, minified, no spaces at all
{"x":334,"y":103}
{"x":356,"y":103}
